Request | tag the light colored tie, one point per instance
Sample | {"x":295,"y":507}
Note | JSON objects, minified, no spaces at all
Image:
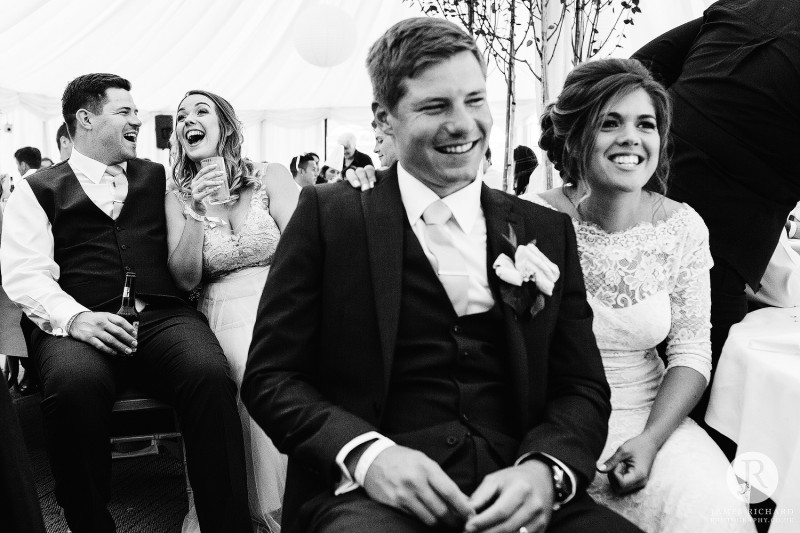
{"x":119,"y":186}
{"x":449,"y":263}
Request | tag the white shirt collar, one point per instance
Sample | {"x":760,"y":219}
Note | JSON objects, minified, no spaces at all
{"x":29,"y":172}
{"x":91,"y":168}
{"x":416,"y":196}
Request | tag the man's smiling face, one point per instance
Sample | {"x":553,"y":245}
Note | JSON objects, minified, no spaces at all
{"x":441,"y":124}
{"x":116,"y":128}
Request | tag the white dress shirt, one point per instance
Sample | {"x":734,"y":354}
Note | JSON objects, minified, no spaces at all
{"x":30,"y":274}
{"x":468,"y":231}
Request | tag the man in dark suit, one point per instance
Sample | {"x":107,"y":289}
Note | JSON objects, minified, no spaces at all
{"x":412,"y":388}
{"x":734,"y":79}
{"x":71,"y":234}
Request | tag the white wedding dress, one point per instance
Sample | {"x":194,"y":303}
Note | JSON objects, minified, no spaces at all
{"x":235,"y":267}
{"x":646,"y":284}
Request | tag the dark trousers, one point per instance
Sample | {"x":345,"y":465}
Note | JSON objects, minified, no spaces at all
{"x":728,"y":307}
{"x":178,"y":360}
{"x":470,"y":462}
{"x":18,"y":499}
{"x":357,"y":513}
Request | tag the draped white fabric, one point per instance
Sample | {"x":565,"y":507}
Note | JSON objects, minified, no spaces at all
{"x":241,"y":49}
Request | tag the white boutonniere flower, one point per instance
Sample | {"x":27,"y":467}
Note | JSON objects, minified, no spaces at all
{"x":529,"y":265}
{"x":527,"y":279}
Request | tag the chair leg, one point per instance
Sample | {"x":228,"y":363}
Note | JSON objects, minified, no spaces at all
{"x":182,"y":446}
{"x":189,"y":490}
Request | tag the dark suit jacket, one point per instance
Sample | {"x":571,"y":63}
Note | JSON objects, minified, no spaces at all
{"x":734,"y":80}
{"x":321,"y":356}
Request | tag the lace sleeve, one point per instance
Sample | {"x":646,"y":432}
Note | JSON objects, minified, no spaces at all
{"x":688,"y":342}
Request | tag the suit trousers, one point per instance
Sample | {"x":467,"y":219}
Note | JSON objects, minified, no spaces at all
{"x":356,"y":513}
{"x":467,"y":467}
{"x":179,"y":360}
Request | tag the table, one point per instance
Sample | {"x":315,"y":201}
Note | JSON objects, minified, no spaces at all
{"x":755,"y":400}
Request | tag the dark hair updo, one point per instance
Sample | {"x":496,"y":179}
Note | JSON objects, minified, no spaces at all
{"x":570,"y":124}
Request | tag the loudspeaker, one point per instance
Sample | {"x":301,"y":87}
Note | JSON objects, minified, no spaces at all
{"x":163,"y":130}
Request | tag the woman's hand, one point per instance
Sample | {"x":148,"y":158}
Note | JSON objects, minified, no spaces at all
{"x":361,"y":178}
{"x":205,"y":183}
{"x":629,"y":468}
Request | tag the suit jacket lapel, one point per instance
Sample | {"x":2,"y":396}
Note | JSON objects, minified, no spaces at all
{"x":500,"y":221}
{"x":383,"y":216}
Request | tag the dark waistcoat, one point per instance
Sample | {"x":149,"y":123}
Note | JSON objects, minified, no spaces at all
{"x":450,"y":374}
{"x":94,"y":252}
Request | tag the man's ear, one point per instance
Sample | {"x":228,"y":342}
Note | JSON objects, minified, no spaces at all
{"x":84,"y":118}
{"x":382,"y":118}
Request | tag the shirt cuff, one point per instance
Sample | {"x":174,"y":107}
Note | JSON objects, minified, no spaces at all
{"x":347,"y":482}
{"x":573,"y":485}
{"x":62,"y":317}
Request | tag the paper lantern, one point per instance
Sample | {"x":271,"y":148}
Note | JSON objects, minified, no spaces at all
{"x":325,"y":35}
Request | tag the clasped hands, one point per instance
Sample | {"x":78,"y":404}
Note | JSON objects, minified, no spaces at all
{"x":505,"y":500}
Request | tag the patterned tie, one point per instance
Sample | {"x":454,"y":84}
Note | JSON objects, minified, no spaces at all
{"x":449,"y":263}
{"x":119,"y":185}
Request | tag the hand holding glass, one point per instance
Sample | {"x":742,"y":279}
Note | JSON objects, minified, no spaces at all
{"x":223,"y":194}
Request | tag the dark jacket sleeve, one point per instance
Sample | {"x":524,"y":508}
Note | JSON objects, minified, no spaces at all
{"x":574,"y":424}
{"x":282,"y":382}
{"x":664,"y":56}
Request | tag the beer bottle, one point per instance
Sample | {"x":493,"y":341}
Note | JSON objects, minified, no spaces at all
{"x":128,"y":308}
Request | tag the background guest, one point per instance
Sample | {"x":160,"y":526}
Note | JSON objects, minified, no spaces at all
{"x":64,"y":142}
{"x":46,"y":162}
{"x":29,"y":159}
{"x":352,"y":157}
{"x":525,"y":163}
{"x":328,"y":175}
{"x":384,"y":147}
{"x":492,"y":177}
{"x":307,"y":169}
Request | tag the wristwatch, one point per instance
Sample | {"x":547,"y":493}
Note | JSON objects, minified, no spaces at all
{"x":562,"y":488}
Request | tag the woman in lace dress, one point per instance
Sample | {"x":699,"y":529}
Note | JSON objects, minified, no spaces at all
{"x":227,"y":249}
{"x":645,"y":260}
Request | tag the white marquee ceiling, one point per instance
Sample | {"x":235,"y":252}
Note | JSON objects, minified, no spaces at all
{"x":242,"y":49}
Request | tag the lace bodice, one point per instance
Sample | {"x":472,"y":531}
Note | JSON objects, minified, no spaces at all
{"x":648,"y":283}
{"x":253,"y":244}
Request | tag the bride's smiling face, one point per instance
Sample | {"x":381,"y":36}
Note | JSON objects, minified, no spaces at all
{"x":197,"y":127}
{"x":627,"y":145}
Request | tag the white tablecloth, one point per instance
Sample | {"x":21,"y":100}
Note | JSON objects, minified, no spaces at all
{"x":755,"y":400}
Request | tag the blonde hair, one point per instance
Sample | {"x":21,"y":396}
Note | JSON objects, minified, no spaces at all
{"x":242,"y":173}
